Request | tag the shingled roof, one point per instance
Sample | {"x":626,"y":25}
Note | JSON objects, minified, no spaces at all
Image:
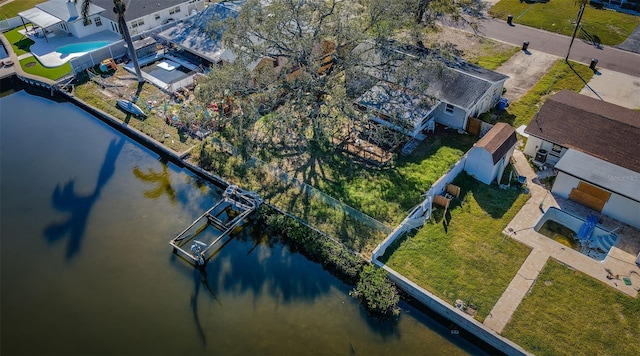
{"x":604,"y":130}
{"x":136,"y":9}
{"x":498,"y":141}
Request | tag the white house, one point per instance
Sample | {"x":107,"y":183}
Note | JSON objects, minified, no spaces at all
{"x":488,"y":157}
{"x":599,"y":185}
{"x":454,"y":89}
{"x":65,"y":16}
{"x":595,"y":148}
{"x":141,"y":15}
{"x":144,"y":15}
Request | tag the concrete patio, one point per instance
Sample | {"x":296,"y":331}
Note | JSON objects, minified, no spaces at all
{"x":620,"y":260}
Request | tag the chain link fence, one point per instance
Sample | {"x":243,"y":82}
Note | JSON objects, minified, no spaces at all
{"x":355,"y":229}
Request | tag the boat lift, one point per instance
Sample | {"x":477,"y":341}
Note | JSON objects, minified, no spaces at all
{"x":226,"y":216}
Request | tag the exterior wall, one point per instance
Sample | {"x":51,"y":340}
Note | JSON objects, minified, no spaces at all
{"x":617,"y":207}
{"x":480,"y":165}
{"x":535,"y":143}
{"x":488,"y":100}
{"x":79,"y":30}
{"x":162,"y":16}
{"x":623,"y":209}
{"x":456,"y":120}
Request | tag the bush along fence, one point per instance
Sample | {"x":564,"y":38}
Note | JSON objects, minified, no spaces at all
{"x":372,"y":287}
{"x":351,"y":227}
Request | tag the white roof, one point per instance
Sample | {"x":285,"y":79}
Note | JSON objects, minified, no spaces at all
{"x":39,"y":17}
{"x":604,"y":174}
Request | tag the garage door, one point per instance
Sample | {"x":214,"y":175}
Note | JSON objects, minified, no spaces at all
{"x":590,"y":196}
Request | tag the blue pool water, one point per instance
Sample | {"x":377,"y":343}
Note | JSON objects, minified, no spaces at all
{"x":82,"y":47}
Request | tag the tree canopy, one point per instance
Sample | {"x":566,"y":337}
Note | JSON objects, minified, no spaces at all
{"x":294,"y":59}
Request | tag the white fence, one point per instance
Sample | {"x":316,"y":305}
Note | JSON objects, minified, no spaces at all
{"x":418,"y":213}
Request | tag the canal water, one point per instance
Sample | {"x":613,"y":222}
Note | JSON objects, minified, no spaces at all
{"x":86,"y":216}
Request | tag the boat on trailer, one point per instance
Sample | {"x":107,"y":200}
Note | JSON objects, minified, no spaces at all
{"x":130,"y":107}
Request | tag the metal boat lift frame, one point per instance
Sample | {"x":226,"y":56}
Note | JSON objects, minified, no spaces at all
{"x":234,"y":199}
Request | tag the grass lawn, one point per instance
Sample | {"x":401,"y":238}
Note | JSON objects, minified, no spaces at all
{"x":32,"y":66}
{"x":561,"y":76}
{"x":569,"y":313}
{"x":469,"y":259}
{"x":610,"y":27}
{"x":12,"y":9}
{"x":153,"y":125}
{"x":19,"y":42}
{"x":388,"y":194}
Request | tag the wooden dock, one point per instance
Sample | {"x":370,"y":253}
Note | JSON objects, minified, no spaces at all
{"x":225,"y":216}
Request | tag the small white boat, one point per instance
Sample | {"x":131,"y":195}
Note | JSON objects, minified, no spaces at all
{"x":130,"y":107}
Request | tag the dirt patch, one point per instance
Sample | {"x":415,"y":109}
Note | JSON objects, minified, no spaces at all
{"x":30,"y":64}
{"x":469,"y":46}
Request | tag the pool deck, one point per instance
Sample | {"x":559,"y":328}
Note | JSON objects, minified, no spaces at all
{"x":620,"y":260}
{"x":45,"y":49}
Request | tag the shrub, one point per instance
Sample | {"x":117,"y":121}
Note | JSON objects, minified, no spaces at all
{"x":377,"y":291}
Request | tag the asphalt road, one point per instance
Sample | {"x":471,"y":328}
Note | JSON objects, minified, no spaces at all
{"x":608,"y":57}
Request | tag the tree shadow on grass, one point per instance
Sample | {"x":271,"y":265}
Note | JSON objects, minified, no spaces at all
{"x":491,"y":199}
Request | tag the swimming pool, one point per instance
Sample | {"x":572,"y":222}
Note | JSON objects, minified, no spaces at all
{"x":563,"y":227}
{"x":82,"y":47}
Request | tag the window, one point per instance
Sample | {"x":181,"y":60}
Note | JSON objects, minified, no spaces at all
{"x":175,"y":10}
{"x":156,"y":17}
{"x":98,"y":21}
{"x":449,"y":109}
{"x":137,"y":23}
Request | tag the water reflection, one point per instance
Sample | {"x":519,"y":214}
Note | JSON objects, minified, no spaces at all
{"x":162,"y":181}
{"x":66,"y":199}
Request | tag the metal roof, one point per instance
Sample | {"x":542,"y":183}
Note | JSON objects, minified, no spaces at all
{"x":196,"y":35}
{"x":39,"y":17}
{"x":598,"y":172}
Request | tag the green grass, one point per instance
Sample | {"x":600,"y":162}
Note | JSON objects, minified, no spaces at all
{"x":610,"y":27}
{"x":12,"y":9}
{"x":493,"y":55}
{"x":32,"y":66}
{"x":154,"y":125}
{"x":18,"y":41}
{"x":561,"y":76}
{"x":569,"y":313}
{"x":388,"y":194}
{"x":469,"y":259}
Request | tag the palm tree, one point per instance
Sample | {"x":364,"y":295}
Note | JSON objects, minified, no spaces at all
{"x":119,"y":8}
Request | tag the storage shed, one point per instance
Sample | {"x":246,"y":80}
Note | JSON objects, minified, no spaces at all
{"x":487,"y":159}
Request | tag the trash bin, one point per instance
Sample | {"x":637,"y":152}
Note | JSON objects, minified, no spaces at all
{"x":510,"y":20}
{"x":503,"y":103}
{"x":525,"y":45}
{"x":593,"y":63}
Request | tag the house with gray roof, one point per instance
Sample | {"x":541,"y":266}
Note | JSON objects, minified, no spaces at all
{"x":141,"y":15}
{"x":594,"y":146}
{"x":453,"y":89}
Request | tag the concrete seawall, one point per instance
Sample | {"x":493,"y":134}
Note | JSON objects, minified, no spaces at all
{"x":452,"y":314}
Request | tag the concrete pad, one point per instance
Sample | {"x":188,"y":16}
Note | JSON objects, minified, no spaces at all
{"x":524,"y":71}
{"x":614,"y":87}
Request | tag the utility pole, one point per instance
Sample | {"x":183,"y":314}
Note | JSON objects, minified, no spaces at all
{"x":575,"y":30}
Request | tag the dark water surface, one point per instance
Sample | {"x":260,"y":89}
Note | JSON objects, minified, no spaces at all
{"x":86,"y":216}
